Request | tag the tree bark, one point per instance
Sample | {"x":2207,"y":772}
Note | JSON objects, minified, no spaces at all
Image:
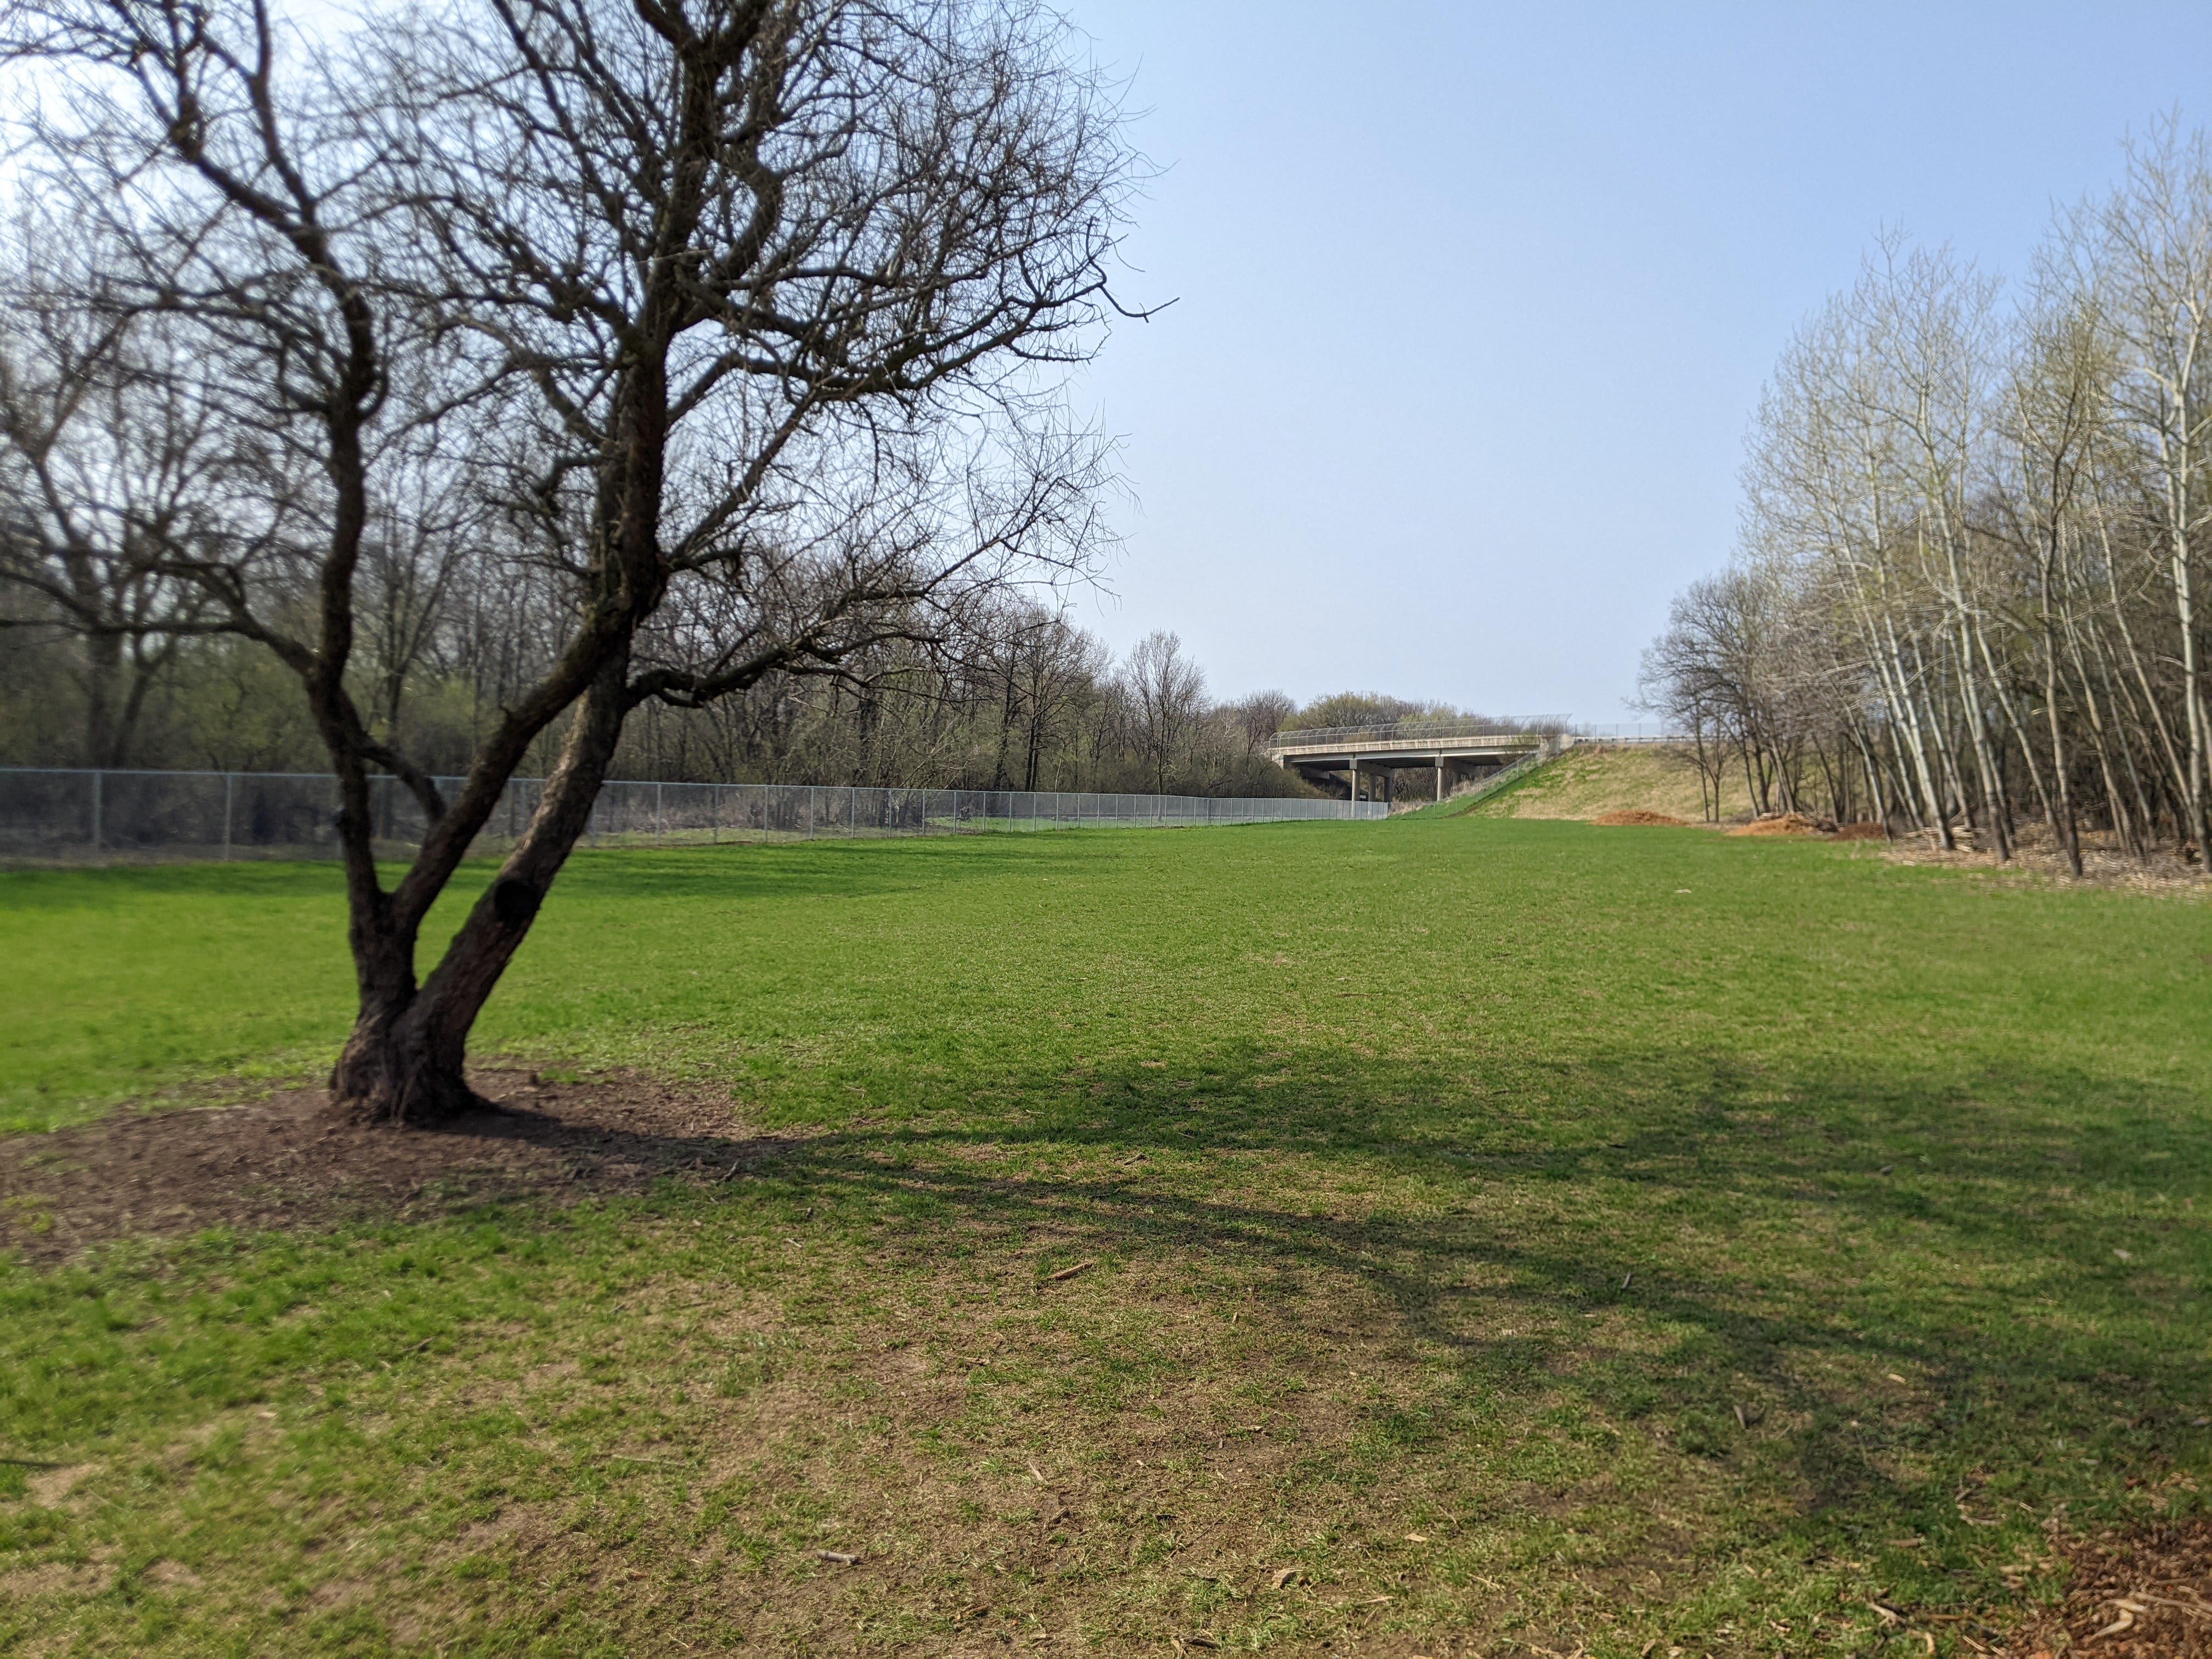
{"x":404,"y":1061}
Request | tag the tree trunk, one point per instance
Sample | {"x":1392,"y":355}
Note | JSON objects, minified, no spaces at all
{"x":2069,"y":832}
{"x":406,"y":1060}
{"x":399,"y":1066}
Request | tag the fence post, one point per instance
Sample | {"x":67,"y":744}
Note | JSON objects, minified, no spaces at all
{"x":229,"y":791}
{"x":660,"y":813}
{"x":96,"y":812}
{"x":810,"y":812}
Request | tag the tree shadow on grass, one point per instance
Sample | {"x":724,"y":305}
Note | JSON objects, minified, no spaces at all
{"x":1889,"y":1306}
{"x":1900,"y":1309}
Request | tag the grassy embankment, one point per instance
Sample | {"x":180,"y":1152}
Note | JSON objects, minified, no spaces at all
{"x":1524,"y":1231}
{"x":1585,"y":782}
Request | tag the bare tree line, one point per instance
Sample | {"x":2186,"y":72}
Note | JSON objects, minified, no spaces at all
{"x":1966,"y":596}
{"x":1016,"y":696}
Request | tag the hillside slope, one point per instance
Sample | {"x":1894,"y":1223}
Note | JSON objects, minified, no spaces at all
{"x":1583,"y":783}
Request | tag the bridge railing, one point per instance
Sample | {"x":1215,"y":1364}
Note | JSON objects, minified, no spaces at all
{"x":1416,"y":731}
{"x":1337,"y":737}
{"x":1628,"y":734}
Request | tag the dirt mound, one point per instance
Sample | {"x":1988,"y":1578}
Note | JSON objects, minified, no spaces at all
{"x":1869,"y":831}
{"x":2145,"y":1594}
{"x":291,"y":1160}
{"x":1612,"y":820}
{"x":1778,"y":823}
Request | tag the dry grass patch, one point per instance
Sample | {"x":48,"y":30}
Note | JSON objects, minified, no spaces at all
{"x":2038,"y":855}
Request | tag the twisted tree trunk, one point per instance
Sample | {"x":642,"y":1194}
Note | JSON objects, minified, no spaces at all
{"x":406,"y":1059}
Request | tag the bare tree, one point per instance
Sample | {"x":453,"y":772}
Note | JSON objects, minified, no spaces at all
{"x":2154,"y":268}
{"x":749,"y":313}
{"x":1052,"y":668}
{"x":1258,"y":717}
{"x":1167,"y":697}
{"x":102,"y":456}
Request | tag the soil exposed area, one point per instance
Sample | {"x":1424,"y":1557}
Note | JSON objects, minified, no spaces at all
{"x":292,"y":1160}
{"x":2144,"y":1594}
{"x":1638,"y":817}
{"x":1778,"y":823}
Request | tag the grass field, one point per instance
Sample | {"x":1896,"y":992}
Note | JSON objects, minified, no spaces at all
{"x":1507,"y":1236}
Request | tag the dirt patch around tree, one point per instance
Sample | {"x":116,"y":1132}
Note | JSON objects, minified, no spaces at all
{"x":293,"y":1159}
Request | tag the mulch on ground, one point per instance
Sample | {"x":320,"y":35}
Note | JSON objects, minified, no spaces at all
{"x":2144,"y":1594}
{"x":292,"y":1160}
{"x":1638,"y":817}
{"x":1778,"y":823}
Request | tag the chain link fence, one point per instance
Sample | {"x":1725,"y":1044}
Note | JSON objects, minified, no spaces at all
{"x":48,"y":815}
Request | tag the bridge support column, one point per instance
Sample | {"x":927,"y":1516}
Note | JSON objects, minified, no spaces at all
{"x":1440,"y":777}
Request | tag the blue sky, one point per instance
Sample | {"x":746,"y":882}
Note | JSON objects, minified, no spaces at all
{"x":1473,"y":302}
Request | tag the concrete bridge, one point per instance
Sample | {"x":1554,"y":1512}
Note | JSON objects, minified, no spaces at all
{"x":1452,"y":751}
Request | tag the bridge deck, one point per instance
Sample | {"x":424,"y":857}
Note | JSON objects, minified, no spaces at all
{"x":1360,"y":752}
{"x":1339,"y":754}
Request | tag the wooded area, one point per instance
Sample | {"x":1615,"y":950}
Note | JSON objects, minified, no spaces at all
{"x":1966,"y":596}
{"x":1017,"y":696}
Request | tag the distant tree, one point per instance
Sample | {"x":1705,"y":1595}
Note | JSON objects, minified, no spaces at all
{"x":1364,"y":708}
{"x":1257,"y":718}
{"x":1167,"y":700}
{"x":102,"y":459}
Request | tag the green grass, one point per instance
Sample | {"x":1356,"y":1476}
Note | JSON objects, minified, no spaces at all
{"x":1682,"y":1239}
